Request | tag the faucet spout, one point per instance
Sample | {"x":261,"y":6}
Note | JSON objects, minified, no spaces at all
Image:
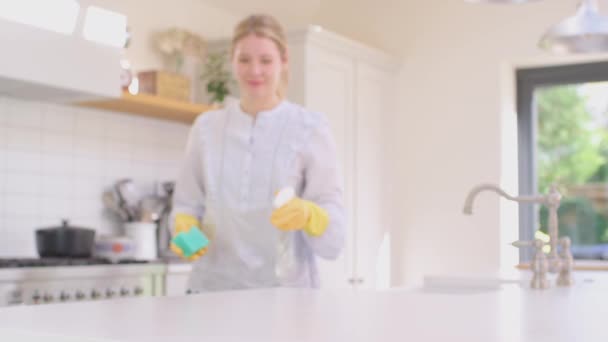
{"x":468,"y":203}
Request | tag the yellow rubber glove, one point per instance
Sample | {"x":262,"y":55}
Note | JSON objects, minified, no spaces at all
{"x":183,"y":223}
{"x":301,"y":214}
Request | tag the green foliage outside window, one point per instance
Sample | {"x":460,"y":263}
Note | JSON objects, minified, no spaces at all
{"x":572,"y":151}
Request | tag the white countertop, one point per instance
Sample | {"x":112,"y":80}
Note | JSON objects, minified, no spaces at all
{"x":488,"y":314}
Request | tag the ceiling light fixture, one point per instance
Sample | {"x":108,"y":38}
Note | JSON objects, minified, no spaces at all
{"x":584,"y":32}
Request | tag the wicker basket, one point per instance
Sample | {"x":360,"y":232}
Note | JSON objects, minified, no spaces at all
{"x":165,"y":84}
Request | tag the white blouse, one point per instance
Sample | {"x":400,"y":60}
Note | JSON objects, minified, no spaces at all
{"x":233,"y":166}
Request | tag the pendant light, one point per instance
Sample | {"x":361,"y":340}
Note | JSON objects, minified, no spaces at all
{"x":585,"y":32}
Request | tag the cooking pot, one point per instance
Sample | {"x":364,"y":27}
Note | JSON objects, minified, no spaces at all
{"x":65,"y":241}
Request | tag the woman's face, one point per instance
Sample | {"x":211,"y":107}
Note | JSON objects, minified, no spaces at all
{"x":257,"y":64}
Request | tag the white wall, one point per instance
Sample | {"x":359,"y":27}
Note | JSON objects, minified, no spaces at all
{"x":456,"y":127}
{"x":150,"y":16}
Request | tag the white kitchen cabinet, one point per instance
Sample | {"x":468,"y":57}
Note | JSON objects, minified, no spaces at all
{"x":353,"y":85}
{"x":176,"y":278}
{"x":372,"y":181}
{"x":45,"y":65}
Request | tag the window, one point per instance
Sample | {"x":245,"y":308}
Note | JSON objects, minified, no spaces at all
{"x":563,"y":139}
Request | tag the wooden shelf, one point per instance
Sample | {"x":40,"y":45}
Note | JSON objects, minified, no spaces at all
{"x":152,"y":106}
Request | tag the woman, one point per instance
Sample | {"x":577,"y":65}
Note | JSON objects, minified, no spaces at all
{"x":237,"y":158}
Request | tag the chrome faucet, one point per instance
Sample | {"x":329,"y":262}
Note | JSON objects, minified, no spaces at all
{"x":551,"y":262}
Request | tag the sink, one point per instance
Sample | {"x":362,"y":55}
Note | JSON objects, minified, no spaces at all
{"x":464,"y":284}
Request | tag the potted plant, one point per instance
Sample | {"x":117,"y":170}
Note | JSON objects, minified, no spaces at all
{"x":217,"y":77}
{"x":177,"y":45}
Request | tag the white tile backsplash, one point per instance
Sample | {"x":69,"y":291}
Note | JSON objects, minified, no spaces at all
{"x":87,"y":187}
{"x":2,"y":182}
{"x":88,"y":146}
{"x":55,"y":209}
{"x":23,"y":139}
{"x":117,"y":150}
{"x":21,"y":161}
{"x":3,"y":130}
{"x":21,"y":206}
{"x":59,"y":119}
{"x":58,"y":186}
{"x":22,"y":183}
{"x":57,"y":143}
{"x":3,"y":114}
{"x":24,"y":114}
{"x":56,"y":161}
{"x":89,"y":123}
{"x":148,"y":171}
{"x":147,"y":132}
{"x":117,"y":169}
{"x":168,"y":155}
{"x":89,"y":167}
{"x":143,"y":154}
{"x":84,"y":209}
{"x":1,"y":201}
{"x":57,"y":164}
{"x":120,"y":127}
{"x":167,"y":171}
{"x":174,"y":136}
{"x":19,"y":239}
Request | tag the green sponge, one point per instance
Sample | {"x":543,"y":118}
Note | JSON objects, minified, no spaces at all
{"x":191,"y":241}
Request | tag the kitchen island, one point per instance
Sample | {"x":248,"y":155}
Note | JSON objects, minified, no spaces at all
{"x":506,"y":313}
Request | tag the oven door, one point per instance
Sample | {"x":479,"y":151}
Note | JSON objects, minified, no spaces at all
{"x":10,"y":294}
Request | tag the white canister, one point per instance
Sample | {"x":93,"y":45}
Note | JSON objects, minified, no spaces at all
{"x":144,"y":236}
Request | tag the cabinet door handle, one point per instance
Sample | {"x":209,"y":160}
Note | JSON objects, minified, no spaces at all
{"x":354,"y":281}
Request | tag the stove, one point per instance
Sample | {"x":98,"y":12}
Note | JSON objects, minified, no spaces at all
{"x":50,"y":262}
{"x":31,"y":281}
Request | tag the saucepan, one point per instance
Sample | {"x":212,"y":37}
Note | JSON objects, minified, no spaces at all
{"x":65,"y":241}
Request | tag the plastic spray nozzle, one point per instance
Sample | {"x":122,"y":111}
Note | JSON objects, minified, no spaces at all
{"x":284,"y":196}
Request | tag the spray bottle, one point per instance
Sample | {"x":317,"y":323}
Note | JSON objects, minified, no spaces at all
{"x":286,"y":261}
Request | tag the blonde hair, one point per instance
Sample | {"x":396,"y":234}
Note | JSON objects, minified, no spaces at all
{"x":264,"y":25}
